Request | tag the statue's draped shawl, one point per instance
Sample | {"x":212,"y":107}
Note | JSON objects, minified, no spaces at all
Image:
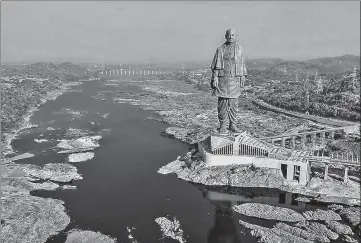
{"x":218,"y":62}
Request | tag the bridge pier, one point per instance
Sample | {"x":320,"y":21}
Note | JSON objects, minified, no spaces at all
{"x":283,"y":142}
{"x":313,"y":138}
{"x":323,"y":138}
{"x":293,"y":142}
{"x":345,"y":178}
{"x":303,"y":141}
{"x":288,"y":198}
{"x":326,"y":172}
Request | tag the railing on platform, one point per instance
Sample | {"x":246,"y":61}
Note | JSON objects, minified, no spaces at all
{"x":340,"y":158}
{"x":245,"y":149}
{"x":317,"y":156}
{"x":225,"y":150}
{"x":242,"y":149}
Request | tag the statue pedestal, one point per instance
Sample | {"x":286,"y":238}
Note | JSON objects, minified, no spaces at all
{"x":228,"y":134}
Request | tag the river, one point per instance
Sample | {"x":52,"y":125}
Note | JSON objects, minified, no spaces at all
{"x":121,"y":187}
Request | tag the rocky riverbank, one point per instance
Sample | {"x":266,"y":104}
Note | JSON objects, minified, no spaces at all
{"x":28,"y":218}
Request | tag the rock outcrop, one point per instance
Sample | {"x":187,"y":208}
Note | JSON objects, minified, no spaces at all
{"x":265,"y":211}
{"x":85,"y":236}
{"x":321,"y":215}
{"x":171,"y":229}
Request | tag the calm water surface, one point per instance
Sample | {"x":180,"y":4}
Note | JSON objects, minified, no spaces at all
{"x":121,"y":187}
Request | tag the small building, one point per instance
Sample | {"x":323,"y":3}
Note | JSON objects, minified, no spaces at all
{"x":245,"y":149}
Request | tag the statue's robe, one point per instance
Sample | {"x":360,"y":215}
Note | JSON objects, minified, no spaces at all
{"x":228,"y":65}
{"x":229,"y":62}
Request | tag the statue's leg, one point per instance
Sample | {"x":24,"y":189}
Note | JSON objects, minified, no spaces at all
{"x":233,"y":114}
{"x":223,"y":113}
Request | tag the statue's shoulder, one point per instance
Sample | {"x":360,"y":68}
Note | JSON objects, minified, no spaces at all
{"x":221,"y":47}
{"x":240,"y":47}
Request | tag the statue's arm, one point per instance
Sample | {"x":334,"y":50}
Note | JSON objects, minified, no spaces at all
{"x":244,"y":70}
{"x":244,"y":66}
{"x":215,"y":72}
{"x":214,"y":80}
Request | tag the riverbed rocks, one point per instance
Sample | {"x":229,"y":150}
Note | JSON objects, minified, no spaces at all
{"x":346,"y":238}
{"x":31,"y":219}
{"x":301,"y":233}
{"x":80,"y":157}
{"x":351,"y":215}
{"x":23,"y":186}
{"x":54,"y":171}
{"x":272,"y":235}
{"x":22,"y":156}
{"x":87,"y":236}
{"x":41,"y":140}
{"x":339,"y":228}
{"x":171,"y":229}
{"x":82,"y":144}
{"x":317,"y":228}
{"x":321,"y":215}
{"x":75,"y":133}
{"x":73,"y":113}
{"x":265,"y":211}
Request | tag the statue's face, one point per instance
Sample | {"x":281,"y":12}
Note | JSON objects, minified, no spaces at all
{"x":231,"y":36}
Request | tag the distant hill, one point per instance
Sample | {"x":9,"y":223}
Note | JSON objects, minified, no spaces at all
{"x":65,"y":71}
{"x":285,"y":70}
{"x":263,"y":63}
{"x":338,"y":64}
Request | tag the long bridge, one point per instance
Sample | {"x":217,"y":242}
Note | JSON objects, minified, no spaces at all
{"x":313,"y":136}
{"x":132,"y":72}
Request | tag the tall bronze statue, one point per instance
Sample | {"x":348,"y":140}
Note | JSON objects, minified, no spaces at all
{"x":228,"y":75}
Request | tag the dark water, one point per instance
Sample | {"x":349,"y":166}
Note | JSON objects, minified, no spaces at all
{"x":121,"y":187}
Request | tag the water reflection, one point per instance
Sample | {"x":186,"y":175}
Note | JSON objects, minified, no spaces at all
{"x":226,"y":228}
{"x":270,"y":196}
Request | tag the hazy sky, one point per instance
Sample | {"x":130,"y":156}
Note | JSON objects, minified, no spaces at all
{"x":125,"y":32}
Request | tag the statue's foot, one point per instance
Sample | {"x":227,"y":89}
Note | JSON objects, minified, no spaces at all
{"x":234,"y":128}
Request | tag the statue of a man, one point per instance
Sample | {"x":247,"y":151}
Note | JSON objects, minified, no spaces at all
{"x":228,"y":75}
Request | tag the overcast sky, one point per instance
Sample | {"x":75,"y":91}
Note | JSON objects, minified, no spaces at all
{"x":129,"y":32}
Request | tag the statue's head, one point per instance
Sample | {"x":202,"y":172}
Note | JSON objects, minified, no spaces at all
{"x":231,"y":35}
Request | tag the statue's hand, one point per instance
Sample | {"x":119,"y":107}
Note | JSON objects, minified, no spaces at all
{"x":215,"y":83}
